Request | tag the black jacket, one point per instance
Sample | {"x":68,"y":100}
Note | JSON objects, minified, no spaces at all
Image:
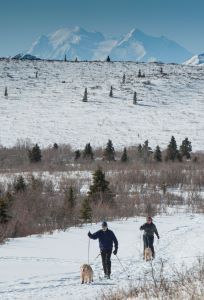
{"x":149,"y":229}
{"x":106,"y":239}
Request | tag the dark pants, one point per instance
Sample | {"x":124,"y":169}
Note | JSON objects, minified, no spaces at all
{"x":149,"y":242}
{"x":106,"y":255}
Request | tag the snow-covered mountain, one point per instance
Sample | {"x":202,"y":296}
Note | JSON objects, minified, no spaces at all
{"x":76,"y":42}
{"x":91,"y":45}
{"x":196,"y":60}
{"x":137,"y":45}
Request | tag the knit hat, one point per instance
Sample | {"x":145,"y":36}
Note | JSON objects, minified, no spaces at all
{"x":104,"y":224}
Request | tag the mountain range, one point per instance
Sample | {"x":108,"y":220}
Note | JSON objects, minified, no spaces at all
{"x":92,"y":45}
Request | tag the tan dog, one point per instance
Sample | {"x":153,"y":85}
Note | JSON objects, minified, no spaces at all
{"x":86,"y":274}
{"x":147,"y":254}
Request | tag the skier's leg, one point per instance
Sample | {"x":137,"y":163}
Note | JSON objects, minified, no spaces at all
{"x":103,"y":257}
{"x":108,"y":262}
{"x":151,"y":245}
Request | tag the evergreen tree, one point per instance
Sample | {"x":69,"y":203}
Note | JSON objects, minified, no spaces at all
{"x":108,"y":59}
{"x":77,"y":154}
{"x":86,"y":211}
{"x":158,"y":154}
{"x":88,"y":152}
{"x":124,"y":157}
{"x":139,"y":149}
{"x":6,"y":92}
{"x":19,"y":184}
{"x":5,"y":204}
{"x":85,"y":98}
{"x":111,"y":92}
{"x":124,"y":78}
{"x":109,"y":152}
{"x":139,"y":73}
{"x":69,"y":198}
{"x":35,"y":154}
{"x":172,"y":151}
{"x":99,"y":189}
{"x":186,"y":148}
{"x":135,"y":98}
{"x":55,"y":146}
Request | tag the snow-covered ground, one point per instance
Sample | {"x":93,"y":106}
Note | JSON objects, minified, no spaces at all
{"x":47,"y":267}
{"x":50,"y":109}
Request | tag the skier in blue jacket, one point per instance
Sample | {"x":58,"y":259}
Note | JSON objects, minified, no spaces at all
{"x":106,"y":239}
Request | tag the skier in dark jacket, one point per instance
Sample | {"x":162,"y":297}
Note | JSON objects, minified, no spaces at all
{"x":106,"y":239}
{"x":148,"y":236}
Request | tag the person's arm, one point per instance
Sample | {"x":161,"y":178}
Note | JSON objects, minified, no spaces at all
{"x":156,"y":232}
{"x":115,"y":241}
{"x":94,"y":236}
{"x":142,"y":227}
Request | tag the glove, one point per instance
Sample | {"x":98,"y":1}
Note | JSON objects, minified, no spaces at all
{"x":115,"y":251}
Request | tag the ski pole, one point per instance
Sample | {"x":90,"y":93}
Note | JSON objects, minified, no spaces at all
{"x":122,"y":266}
{"x":88,"y":250}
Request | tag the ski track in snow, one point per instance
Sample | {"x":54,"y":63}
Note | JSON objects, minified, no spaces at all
{"x":46,"y":110}
{"x":47,"y":266}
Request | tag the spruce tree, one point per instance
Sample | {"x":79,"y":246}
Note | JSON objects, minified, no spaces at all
{"x":108,"y":59}
{"x":109,"y":152}
{"x":186,"y":148}
{"x":139,"y":149}
{"x":111,"y":91}
{"x":135,"y":98}
{"x":69,"y":198}
{"x":124,"y":157}
{"x":99,"y":189}
{"x":85,"y":98}
{"x":77,"y":154}
{"x":55,"y":146}
{"x":124,"y":78}
{"x":5,"y":204}
{"x":139,"y":73}
{"x":172,"y":150}
{"x":6,"y":92}
{"x":19,"y":184}
{"x":88,"y":152}
{"x":158,"y":154}
{"x":86,"y":211}
{"x":35,"y":154}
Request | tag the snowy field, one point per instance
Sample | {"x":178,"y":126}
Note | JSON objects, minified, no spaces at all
{"x":47,"y":267}
{"x":50,"y":109}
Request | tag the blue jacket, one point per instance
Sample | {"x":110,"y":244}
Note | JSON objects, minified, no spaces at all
{"x":106,"y":239}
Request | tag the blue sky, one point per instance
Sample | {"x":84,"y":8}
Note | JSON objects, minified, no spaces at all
{"x":22,"y":21}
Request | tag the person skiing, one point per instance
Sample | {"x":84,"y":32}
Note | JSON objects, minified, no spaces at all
{"x":148,"y":236}
{"x":106,"y":239}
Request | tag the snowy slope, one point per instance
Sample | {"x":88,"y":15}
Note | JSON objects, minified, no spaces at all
{"x":196,"y":60}
{"x":88,"y":45}
{"x":47,"y":267}
{"x":50,"y":109}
